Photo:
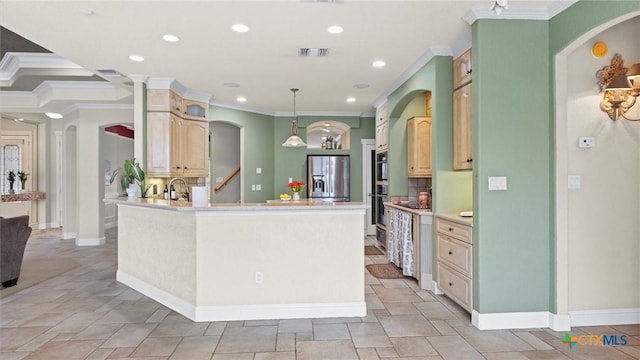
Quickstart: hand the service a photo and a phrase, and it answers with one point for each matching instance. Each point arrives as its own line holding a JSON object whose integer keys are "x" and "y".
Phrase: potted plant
{"x": 12, "y": 178}
{"x": 133, "y": 175}
{"x": 23, "y": 179}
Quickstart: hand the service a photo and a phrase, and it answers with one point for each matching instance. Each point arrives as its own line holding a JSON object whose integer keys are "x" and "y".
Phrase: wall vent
{"x": 313, "y": 52}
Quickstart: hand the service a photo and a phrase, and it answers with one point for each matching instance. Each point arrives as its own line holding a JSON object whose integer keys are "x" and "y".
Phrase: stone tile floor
{"x": 85, "y": 314}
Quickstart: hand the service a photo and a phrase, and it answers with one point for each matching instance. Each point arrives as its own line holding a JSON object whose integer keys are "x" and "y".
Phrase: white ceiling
{"x": 263, "y": 61}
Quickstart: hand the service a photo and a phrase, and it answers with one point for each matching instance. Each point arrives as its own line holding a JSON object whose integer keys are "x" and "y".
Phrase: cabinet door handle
{"x": 450, "y": 284}
{"x": 469, "y": 71}
{"x": 450, "y": 229}
{"x": 450, "y": 252}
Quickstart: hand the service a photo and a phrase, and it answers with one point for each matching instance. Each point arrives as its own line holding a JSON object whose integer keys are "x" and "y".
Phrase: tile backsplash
{"x": 417, "y": 185}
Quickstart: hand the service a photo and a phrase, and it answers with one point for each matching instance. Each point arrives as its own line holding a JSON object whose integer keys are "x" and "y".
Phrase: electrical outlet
{"x": 259, "y": 277}
{"x": 253, "y": 188}
{"x": 573, "y": 182}
{"x": 586, "y": 142}
{"x": 258, "y": 170}
{"x": 258, "y": 187}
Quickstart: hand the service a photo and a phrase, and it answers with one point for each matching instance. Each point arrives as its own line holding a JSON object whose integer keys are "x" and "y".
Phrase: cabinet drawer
{"x": 455, "y": 253}
{"x": 457, "y": 287}
{"x": 455, "y": 230}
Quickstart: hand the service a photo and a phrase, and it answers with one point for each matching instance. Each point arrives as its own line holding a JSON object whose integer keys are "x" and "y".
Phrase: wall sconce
{"x": 621, "y": 87}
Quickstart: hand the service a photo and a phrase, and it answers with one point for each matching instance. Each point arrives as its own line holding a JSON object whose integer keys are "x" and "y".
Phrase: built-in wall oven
{"x": 381, "y": 214}
{"x": 382, "y": 173}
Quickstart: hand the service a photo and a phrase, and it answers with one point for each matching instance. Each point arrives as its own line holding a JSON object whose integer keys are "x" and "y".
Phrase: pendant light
{"x": 294, "y": 140}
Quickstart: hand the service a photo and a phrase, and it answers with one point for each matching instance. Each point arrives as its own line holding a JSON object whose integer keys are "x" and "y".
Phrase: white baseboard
{"x": 243, "y": 312}
{"x": 605, "y": 317}
{"x": 91, "y": 242}
{"x": 514, "y": 320}
{"x": 426, "y": 282}
{"x": 111, "y": 225}
{"x": 69, "y": 235}
{"x": 172, "y": 302}
{"x": 559, "y": 322}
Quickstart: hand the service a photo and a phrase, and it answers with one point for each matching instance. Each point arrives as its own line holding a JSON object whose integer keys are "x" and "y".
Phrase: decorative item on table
{"x": 23, "y": 176}
{"x": 11, "y": 176}
{"x": 296, "y": 187}
{"x": 285, "y": 197}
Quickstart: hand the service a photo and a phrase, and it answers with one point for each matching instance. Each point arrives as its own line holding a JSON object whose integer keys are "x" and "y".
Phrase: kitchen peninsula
{"x": 218, "y": 262}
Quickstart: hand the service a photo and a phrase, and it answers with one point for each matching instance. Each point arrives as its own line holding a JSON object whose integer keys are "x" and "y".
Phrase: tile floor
{"x": 85, "y": 314}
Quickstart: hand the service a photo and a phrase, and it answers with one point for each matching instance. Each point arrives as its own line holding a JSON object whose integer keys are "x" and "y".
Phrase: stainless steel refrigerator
{"x": 328, "y": 177}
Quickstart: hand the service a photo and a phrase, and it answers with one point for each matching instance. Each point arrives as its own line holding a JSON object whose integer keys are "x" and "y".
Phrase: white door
{"x": 368, "y": 183}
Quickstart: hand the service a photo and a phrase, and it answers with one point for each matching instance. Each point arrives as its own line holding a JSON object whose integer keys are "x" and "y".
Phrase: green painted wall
{"x": 511, "y": 132}
{"x": 258, "y": 145}
{"x": 451, "y": 189}
{"x": 292, "y": 162}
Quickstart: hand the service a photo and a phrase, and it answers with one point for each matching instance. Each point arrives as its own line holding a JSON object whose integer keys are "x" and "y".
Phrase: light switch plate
{"x": 258, "y": 170}
{"x": 573, "y": 182}
{"x": 497, "y": 183}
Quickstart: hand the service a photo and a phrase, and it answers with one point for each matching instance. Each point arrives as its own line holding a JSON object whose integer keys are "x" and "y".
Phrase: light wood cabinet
{"x": 419, "y": 147}
{"x": 164, "y": 100}
{"x": 454, "y": 257}
{"x": 176, "y": 146}
{"x": 382, "y": 129}
{"x": 462, "y": 69}
{"x": 195, "y": 110}
{"x": 462, "y": 129}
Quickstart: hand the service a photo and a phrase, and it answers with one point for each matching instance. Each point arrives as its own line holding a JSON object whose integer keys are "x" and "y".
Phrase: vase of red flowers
{"x": 296, "y": 187}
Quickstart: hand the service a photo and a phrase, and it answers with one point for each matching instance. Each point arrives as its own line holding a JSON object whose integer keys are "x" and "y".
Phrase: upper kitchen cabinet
{"x": 165, "y": 100}
{"x": 195, "y": 110}
{"x": 462, "y": 69}
{"x": 382, "y": 128}
{"x": 176, "y": 146}
{"x": 462, "y": 99}
{"x": 462, "y": 129}
{"x": 419, "y": 147}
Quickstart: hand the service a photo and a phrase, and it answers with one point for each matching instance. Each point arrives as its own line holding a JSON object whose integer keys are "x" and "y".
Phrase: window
{"x": 10, "y": 159}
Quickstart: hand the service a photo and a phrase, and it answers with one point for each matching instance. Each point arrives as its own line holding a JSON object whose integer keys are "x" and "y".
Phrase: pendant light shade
{"x": 294, "y": 140}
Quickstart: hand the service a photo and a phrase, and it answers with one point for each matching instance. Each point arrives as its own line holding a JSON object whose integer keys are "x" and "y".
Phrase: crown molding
{"x": 178, "y": 88}
{"x": 223, "y": 105}
{"x": 515, "y": 12}
{"x": 13, "y": 64}
{"x": 324, "y": 113}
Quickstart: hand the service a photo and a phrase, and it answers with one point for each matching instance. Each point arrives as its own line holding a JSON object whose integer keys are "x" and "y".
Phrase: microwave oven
{"x": 382, "y": 172}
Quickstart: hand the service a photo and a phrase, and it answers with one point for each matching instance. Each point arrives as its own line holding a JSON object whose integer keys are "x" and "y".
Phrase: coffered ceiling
{"x": 56, "y": 67}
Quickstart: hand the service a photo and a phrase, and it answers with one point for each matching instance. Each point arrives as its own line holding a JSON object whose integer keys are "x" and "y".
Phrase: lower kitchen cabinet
{"x": 454, "y": 259}
{"x": 420, "y": 229}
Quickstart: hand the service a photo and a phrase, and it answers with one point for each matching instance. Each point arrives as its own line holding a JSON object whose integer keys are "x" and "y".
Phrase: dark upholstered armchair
{"x": 14, "y": 233}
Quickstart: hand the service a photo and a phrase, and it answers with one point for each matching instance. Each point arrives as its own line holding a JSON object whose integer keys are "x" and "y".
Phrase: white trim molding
{"x": 242, "y": 312}
{"x": 605, "y": 317}
{"x": 91, "y": 241}
{"x": 520, "y": 320}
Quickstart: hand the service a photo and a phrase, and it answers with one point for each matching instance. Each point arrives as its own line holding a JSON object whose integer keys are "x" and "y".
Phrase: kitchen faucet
{"x": 185, "y": 185}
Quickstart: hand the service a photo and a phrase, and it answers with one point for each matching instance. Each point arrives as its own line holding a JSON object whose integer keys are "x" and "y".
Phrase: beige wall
{"x": 603, "y": 216}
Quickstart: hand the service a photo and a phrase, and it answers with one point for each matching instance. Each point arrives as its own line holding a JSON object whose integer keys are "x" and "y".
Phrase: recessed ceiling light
{"x": 137, "y": 58}
{"x": 231, "y": 84}
{"x": 361, "y": 86}
{"x": 351, "y": 99}
{"x": 18, "y": 119}
{"x": 335, "y": 29}
{"x": 379, "y": 63}
{"x": 53, "y": 115}
{"x": 170, "y": 38}
{"x": 240, "y": 28}
{"x": 241, "y": 99}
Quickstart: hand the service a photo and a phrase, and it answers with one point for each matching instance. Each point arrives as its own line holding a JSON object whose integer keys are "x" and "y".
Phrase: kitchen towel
{"x": 199, "y": 196}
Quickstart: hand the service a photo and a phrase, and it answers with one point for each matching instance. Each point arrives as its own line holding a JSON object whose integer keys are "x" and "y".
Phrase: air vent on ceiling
{"x": 313, "y": 52}
{"x": 110, "y": 73}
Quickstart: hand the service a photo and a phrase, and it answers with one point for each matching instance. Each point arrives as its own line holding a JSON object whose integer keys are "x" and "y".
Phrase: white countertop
{"x": 457, "y": 218}
{"x": 181, "y": 205}
{"x": 413, "y": 211}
